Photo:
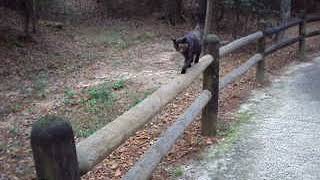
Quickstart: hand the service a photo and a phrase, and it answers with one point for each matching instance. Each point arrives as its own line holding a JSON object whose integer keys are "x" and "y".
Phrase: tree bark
{"x": 285, "y": 14}
{"x": 211, "y": 83}
{"x": 173, "y": 11}
{"x": 236, "y": 24}
{"x": 202, "y": 13}
{"x": 218, "y": 14}
{"x": 209, "y": 18}
{"x": 54, "y": 150}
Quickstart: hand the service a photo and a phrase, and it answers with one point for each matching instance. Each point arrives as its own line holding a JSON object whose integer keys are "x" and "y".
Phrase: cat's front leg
{"x": 185, "y": 65}
{"x": 190, "y": 58}
{"x": 197, "y": 58}
{"x": 184, "y": 69}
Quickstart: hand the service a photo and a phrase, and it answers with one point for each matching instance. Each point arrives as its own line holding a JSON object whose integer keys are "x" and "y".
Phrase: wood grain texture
{"x": 233, "y": 75}
{"x": 211, "y": 83}
{"x": 96, "y": 147}
{"x": 143, "y": 169}
{"x": 276, "y": 30}
{"x": 280, "y": 45}
{"x": 53, "y": 148}
{"x": 234, "y": 45}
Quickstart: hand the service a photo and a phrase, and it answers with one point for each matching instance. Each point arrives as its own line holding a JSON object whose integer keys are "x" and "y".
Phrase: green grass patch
{"x": 114, "y": 39}
{"x": 92, "y": 108}
{"x": 40, "y": 83}
{"x": 99, "y": 98}
{"x": 226, "y": 129}
{"x": 14, "y": 129}
{"x": 86, "y": 127}
{"x": 178, "y": 172}
{"x": 69, "y": 96}
{"x": 137, "y": 98}
{"x": 120, "y": 84}
{"x": 118, "y": 38}
{"x": 16, "y": 108}
{"x": 101, "y": 94}
{"x": 231, "y": 132}
{"x": 143, "y": 37}
{"x": 84, "y": 132}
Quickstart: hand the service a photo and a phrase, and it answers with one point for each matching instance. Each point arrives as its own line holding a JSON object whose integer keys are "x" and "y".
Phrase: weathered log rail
{"x": 96, "y": 147}
{"x": 240, "y": 43}
{"x": 276, "y": 30}
{"x": 313, "y": 19}
{"x": 281, "y": 44}
{"x": 313, "y": 33}
{"x": 143, "y": 169}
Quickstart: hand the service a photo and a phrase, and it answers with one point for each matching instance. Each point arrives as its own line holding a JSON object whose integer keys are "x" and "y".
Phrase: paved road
{"x": 280, "y": 139}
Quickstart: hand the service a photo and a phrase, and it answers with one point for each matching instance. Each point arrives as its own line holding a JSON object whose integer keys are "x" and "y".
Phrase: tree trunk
{"x": 173, "y": 11}
{"x": 209, "y": 18}
{"x": 285, "y": 14}
{"x": 218, "y": 14}
{"x": 236, "y": 23}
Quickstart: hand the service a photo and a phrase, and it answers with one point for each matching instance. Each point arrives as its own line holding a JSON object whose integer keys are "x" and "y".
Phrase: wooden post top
{"x": 53, "y": 148}
{"x": 262, "y": 25}
{"x": 302, "y": 14}
{"x": 51, "y": 128}
{"x": 212, "y": 38}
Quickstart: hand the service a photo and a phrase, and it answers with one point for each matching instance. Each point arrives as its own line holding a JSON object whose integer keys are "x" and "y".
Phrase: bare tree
{"x": 285, "y": 14}
{"x": 173, "y": 11}
{"x": 27, "y": 8}
{"x": 202, "y": 11}
{"x": 209, "y": 18}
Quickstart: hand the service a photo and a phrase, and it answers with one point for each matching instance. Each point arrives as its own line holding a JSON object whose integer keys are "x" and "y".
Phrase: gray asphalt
{"x": 280, "y": 138}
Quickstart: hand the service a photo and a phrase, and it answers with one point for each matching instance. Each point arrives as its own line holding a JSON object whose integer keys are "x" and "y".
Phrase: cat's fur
{"x": 190, "y": 47}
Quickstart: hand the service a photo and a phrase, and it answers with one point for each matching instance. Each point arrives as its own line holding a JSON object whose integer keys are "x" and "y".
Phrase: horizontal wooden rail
{"x": 96, "y": 147}
{"x": 236, "y": 73}
{"x": 148, "y": 162}
{"x": 276, "y": 30}
{"x": 313, "y": 33}
{"x": 93, "y": 149}
{"x": 240, "y": 43}
{"x": 313, "y": 19}
{"x": 281, "y": 45}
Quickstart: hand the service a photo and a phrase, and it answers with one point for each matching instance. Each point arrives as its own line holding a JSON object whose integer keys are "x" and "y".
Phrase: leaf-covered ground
{"x": 61, "y": 71}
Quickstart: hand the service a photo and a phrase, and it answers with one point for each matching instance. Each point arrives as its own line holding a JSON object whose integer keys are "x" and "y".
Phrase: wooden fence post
{"x": 260, "y": 72}
{"x": 54, "y": 150}
{"x": 211, "y": 83}
{"x": 302, "y": 34}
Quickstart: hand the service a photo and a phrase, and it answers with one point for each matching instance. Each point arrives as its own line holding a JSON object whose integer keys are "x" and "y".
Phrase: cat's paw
{"x": 183, "y": 71}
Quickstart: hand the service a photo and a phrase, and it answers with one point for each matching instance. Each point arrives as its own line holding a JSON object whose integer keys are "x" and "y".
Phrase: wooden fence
{"x": 57, "y": 157}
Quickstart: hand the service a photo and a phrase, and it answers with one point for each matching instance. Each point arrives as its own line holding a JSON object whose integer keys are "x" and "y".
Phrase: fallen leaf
{"x": 117, "y": 173}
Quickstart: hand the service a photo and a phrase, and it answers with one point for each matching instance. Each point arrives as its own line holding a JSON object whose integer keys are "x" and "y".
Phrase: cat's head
{"x": 180, "y": 46}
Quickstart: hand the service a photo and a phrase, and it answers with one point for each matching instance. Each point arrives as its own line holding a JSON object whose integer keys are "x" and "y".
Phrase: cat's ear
{"x": 175, "y": 44}
{"x": 182, "y": 40}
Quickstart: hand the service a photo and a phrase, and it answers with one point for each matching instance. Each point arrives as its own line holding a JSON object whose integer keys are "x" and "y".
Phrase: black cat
{"x": 190, "y": 47}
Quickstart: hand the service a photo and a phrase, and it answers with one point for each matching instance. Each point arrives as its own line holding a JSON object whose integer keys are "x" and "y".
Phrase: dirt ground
{"x": 57, "y": 71}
